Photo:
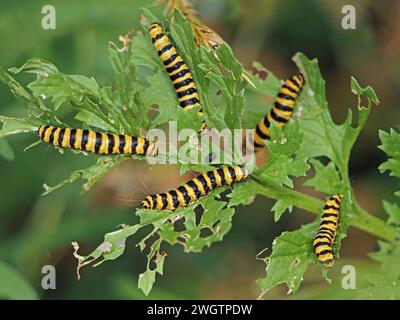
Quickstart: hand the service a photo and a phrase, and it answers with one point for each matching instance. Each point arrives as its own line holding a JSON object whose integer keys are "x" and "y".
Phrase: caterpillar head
{"x": 300, "y": 79}
{"x": 328, "y": 263}
{"x": 155, "y": 28}
{"x": 145, "y": 204}
{"x": 339, "y": 197}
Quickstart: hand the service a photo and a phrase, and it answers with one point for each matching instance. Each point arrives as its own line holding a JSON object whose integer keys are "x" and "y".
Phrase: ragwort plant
{"x": 311, "y": 142}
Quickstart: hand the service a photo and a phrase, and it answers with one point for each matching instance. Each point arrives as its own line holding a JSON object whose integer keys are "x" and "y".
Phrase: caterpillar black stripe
{"x": 196, "y": 188}
{"x": 177, "y": 70}
{"x": 281, "y": 111}
{"x": 96, "y": 142}
{"x": 325, "y": 238}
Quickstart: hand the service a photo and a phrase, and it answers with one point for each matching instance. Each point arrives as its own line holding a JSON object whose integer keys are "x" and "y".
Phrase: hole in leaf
{"x": 198, "y": 214}
{"x": 181, "y": 239}
{"x": 324, "y": 160}
{"x": 179, "y": 225}
{"x": 262, "y": 74}
{"x": 205, "y": 232}
{"x": 152, "y": 264}
{"x": 215, "y": 224}
{"x": 224, "y": 195}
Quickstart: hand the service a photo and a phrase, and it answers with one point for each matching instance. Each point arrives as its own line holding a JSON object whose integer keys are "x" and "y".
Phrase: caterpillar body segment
{"x": 325, "y": 238}
{"x": 96, "y": 142}
{"x": 196, "y": 188}
{"x": 177, "y": 69}
{"x": 281, "y": 111}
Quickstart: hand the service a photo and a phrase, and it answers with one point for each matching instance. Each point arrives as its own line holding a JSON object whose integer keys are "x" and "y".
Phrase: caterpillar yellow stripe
{"x": 281, "y": 111}
{"x": 325, "y": 238}
{"x": 196, "y": 188}
{"x": 96, "y": 142}
{"x": 177, "y": 70}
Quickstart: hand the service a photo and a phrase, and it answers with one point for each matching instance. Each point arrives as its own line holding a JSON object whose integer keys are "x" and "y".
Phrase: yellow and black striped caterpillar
{"x": 325, "y": 238}
{"x": 96, "y": 142}
{"x": 281, "y": 111}
{"x": 177, "y": 70}
{"x": 196, "y": 188}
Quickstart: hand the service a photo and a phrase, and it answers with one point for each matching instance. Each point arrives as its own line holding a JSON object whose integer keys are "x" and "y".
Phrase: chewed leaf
{"x": 148, "y": 278}
{"x": 90, "y": 175}
{"x": 265, "y": 82}
{"x": 291, "y": 254}
{"x": 214, "y": 223}
{"x": 393, "y": 210}
{"x": 368, "y": 91}
{"x": 385, "y": 283}
{"x": 61, "y": 88}
{"x": 11, "y": 126}
{"x": 243, "y": 193}
{"x": 111, "y": 248}
{"x": 282, "y": 205}
{"x": 284, "y": 160}
{"x": 37, "y": 66}
{"x": 326, "y": 178}
{"x": 391, "y": 146}
{"x": 18, "y": 90}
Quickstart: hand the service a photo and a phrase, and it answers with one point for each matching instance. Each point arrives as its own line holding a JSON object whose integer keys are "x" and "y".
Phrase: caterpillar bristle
{"x": 178, "y": 71}
{"x": 325, "y": 238}
{"x": 96, "y": 142}
{"x": 196, "y": 188}
{"x": 281, "y": 111}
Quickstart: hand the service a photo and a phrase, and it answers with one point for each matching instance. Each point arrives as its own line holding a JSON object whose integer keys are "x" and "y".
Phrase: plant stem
{"x": 360, "y": 218}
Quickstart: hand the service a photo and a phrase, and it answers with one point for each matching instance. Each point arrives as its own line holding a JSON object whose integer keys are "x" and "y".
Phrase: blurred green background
{"x": 36, "y": 231}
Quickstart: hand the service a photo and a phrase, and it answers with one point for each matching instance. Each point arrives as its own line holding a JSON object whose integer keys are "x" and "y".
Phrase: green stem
{"x": 299, "y": 200}
{"x": 365, "y": 221}
{"x": 360, "y": 218}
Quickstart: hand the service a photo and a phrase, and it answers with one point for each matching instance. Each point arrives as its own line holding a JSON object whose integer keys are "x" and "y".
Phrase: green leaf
{"x": 385, "y": 283}
{"x": 214, "y": 223}
{"x": 148, "y": 278}
{"x": 11, "y": 126}
{"x": 93, "y": 120}
{"x": 125, "y": 101}
{"x": 17, "y": 89}
{"x": 146, "y": 281}
{"x": 243, "y": 193}
{"x": 37, "y": 66}
{"x": 196, "y": 233}
{"x": 269, "y": 86}
{"x": 367, "y": 91}
{"x": 284, "y": 157}
{"x": 226, "y": 73}
{"x": 90, "y": 175}
{"x": 391, "y": 146}
{"x": 61, "y": 88}
{"x": 160, "y": 92}
{"x": 291, "y": 255}
{"x": 393, "y": 210}
{"x": 326, "y": 178}
{"x": 280, "y": 207}
{"x": 322, "y": 137}
{"x": 111, "y": 248}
